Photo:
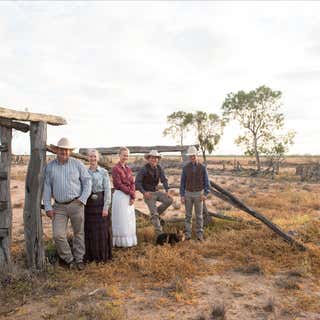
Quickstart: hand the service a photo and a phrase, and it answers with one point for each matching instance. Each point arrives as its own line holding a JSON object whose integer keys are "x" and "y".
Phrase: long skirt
{"x": 97, "y": 230}
{"x": 123, "y": 221}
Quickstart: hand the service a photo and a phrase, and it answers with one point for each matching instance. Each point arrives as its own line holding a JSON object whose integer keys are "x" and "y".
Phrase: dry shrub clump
{"x": 258, "y": 251}
{"x": 151, "y": 263}
{"x": 310, "y": 232}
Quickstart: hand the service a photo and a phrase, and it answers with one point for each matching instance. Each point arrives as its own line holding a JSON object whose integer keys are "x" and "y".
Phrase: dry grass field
{"x": 240, "y": 271}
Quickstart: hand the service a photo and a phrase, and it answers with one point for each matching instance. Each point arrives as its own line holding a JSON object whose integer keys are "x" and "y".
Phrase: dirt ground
{"x": 238, "y": 272}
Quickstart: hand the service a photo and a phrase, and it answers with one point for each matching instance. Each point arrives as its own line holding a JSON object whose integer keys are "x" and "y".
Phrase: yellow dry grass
{"x": 228, "y": 246}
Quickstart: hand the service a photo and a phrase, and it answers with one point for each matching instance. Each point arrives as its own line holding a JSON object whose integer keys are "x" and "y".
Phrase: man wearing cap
{"x": 194, "y": 188}
{"x": 68, "y": 182}
{"x": 147, "y": 182}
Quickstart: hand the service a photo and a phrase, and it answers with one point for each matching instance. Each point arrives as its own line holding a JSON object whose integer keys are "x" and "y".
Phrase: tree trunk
{"x": 33, "y": 231}
{"x": 256, "y": 153}
{"x": 204, "y": 156}
{"x": 5, "y": 200}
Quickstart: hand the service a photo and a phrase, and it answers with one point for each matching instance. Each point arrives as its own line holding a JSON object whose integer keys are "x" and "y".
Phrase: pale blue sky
{"x": 115, "y": 70}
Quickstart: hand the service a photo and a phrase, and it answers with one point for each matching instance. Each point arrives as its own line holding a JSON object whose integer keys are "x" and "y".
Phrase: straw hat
{"x": 64, "y": 143}
{"x": 192, "y": 151}
{"x": 152, "y": 153}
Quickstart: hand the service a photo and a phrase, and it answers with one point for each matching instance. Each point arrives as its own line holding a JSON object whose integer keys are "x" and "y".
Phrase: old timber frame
{"x": 33, "y": 188}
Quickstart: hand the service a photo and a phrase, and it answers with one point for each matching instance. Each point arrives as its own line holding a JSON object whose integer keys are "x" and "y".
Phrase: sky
{"x": 115, "y": 70}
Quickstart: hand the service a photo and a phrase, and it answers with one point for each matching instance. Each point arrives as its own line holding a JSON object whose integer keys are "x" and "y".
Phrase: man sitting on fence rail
{"x": 147, "y": 182}
{"x": 68, "y": 182}
{"x": 194, "y": 188}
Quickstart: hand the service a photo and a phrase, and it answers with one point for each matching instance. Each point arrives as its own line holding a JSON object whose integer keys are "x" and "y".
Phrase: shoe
{"x": 200, "y": 238}
{"x": 71, "y": 265}
{"x": 187, "y": 238}
{"x": 162, "y": 222}
{"x": 80, "y": 266}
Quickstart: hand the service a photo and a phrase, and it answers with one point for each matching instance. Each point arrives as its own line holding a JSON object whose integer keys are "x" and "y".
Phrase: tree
{"x": 257, "y": 112}
{"x": 276, "y": 149}
{"x": 209, "y": 129}
{"x": 179, "y": 124}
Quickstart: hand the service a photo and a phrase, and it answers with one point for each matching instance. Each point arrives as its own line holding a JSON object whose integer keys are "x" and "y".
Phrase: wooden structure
{"x": 33, "y": 188}
{"x": 10, "y": 119}
{"x": 143, "y": 150}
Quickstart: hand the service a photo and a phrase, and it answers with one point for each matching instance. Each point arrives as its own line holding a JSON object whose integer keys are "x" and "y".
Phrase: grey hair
{"x": 94, "y": 151}
{"x": 123, "y": 149}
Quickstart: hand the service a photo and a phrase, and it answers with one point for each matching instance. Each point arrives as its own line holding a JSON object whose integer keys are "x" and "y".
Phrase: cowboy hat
{"x": 192, "y": 151}
{"x": 64, "y": 143}
{"x": 152, "y": 153}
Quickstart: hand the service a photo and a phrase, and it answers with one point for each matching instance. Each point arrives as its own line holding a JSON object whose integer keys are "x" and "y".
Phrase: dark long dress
{"x": 97, "y": 230}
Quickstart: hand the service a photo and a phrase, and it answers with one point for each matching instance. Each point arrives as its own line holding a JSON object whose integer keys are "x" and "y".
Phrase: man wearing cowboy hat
{"x": 194, "y": 188}
{"x": 147, "y": 182}
{"x": 68, "y": 182}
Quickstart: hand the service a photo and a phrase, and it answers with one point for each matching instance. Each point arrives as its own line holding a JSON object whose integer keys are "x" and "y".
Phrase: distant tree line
{"x": 258, "y": 114}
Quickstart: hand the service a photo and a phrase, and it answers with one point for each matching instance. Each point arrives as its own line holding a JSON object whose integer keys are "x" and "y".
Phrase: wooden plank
{"x": 5, "y": 200}
{"x": 53, "y": 149}
{"x": 227, "y": 196}
{"x": 137, "y": 149}
{"x": 33, "y": 231}
{"x": 29, "y": 116}
{"x": 14, "y": 125}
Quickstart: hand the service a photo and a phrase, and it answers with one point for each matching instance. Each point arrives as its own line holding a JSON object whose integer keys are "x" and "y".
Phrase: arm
{"x": 107, "y": 191}
{"x": 47, "y": 191}
{"x": 206, "y": 182}
{"x": 86, "y": 183}
{"x": 164, "y": 179}
{"x": 139, "y": 179}
{"x": 132, "y": 187}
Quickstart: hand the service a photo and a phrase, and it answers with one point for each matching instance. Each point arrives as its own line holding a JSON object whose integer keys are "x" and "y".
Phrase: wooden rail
{"x": 14, "y": 125}
{"x": 137, "y": 149}
{"x": 29, "y": 116}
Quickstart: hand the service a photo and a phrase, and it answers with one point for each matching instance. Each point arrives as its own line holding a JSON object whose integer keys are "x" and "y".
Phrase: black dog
{"x": 171, "y": 238}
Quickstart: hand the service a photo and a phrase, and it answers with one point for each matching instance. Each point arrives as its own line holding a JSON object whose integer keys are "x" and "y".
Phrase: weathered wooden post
{"x": 5, "y": 199}
{"x": 33, "y": 195}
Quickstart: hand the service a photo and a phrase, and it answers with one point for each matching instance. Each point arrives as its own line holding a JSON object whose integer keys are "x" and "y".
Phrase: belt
{"x": 95, "y": 195}
{"x": 68, "y": 202}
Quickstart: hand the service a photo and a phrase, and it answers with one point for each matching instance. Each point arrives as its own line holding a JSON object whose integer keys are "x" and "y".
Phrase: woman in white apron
{"x": 123, "y": 213}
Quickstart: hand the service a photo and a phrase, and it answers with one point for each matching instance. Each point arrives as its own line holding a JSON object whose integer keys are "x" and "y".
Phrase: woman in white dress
{"x": 123, "y": 213}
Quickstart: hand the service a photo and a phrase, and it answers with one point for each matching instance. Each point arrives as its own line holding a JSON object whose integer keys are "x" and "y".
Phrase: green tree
{"x": 209, "y": 129}
{"x": 178, "y": 125}
{"x": 257, "y": 112}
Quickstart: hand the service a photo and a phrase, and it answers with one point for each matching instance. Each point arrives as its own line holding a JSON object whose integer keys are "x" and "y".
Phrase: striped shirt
{"x": 66, "y": 181}
{"x": 101, "y": 182}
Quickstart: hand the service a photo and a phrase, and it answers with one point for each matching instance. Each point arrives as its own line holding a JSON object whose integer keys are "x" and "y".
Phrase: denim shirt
{"x": 101, "y": 182}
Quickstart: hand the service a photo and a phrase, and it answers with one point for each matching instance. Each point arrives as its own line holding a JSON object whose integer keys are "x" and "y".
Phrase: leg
{"x": 188, "y": 218}
{"x": 59, "y": 230}
{"x": 151, "y": 203}
{"x": 198, "y": 206}
{"x": 165, "y": 202}
{"x": 76, "y": 213}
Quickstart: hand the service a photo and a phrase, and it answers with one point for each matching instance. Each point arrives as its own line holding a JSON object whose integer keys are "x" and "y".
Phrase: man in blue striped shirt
{"x": 68, "y": 182}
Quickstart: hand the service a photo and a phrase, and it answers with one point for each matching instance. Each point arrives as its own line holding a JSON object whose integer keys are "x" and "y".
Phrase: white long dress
{"x": 123, "y": 221}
